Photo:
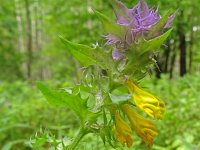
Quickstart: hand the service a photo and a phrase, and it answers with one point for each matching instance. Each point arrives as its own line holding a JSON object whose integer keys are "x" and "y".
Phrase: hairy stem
{"x": 82, "y": 132}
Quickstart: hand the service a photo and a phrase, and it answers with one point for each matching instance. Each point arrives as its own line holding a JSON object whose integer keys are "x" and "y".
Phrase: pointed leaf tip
{"x": 63, "y": 99}
{"x": 112, "y": 27}
{"x": 88, "y": 56}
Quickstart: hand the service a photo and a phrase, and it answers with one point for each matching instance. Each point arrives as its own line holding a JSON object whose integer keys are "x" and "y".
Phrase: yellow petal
{"x": 144, "y": 128}
{"x": 123, "y": 131}
{"x": 145, "y": 101}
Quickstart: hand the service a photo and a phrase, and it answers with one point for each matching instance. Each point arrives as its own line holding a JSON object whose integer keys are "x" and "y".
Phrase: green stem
{"x": 82, "y": 132}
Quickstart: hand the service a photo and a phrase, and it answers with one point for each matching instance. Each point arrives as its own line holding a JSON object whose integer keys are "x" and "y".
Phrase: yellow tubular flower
{"x": 145, "y": 101}
{"x": 144, "y": 128}
{"x": 123, "y": 131}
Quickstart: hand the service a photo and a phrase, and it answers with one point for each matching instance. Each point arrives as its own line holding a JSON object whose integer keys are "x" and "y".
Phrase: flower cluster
{"x": 138, "y": 21}
{"x": 144, "y": 128}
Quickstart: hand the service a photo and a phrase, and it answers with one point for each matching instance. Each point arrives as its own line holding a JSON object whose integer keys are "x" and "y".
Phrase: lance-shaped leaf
{"x": 159, "y": 26}
{"x": 138, "y": 55}
{"x": 112, "y": 27}
{"x": 64, "y": 99}
{"x": 87, "y": 55}
{"x": 151, "y": 45}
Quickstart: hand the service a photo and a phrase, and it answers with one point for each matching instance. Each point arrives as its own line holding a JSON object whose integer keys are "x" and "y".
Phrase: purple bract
{"x": 138, "y": 20}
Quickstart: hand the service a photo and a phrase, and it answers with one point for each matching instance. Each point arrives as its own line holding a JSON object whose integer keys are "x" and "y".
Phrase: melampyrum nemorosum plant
{"x": 108, "y": 100}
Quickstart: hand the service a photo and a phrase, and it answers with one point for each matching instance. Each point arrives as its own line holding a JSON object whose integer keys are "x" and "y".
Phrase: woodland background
{"x": 30, "y": 50}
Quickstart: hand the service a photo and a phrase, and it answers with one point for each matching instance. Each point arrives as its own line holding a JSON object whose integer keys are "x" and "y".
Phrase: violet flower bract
{"x": 139, "y": 20}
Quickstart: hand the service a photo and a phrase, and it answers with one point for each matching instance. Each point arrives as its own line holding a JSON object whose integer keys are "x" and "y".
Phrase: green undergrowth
{"x": 27, "y": 121}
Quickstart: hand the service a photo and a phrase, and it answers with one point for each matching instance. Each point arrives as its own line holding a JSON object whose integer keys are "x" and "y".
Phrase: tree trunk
{"x": 29, "y": 39}
{"x": 21, "y": 48}
{"x": 190, "y": 47}
{"x": 36, "y": 36}
{"x": 182, "y": 47}
{"x": 19, "y": 27}
{"x": 166, "y": 55}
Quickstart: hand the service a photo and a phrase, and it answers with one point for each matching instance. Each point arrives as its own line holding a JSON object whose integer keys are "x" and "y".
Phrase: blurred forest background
{"x": 30, "y": 50}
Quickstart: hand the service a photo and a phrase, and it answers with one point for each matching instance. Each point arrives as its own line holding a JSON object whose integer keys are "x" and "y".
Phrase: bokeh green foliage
{"x": 10, "y": 59}
{"x": 24, "y": 112}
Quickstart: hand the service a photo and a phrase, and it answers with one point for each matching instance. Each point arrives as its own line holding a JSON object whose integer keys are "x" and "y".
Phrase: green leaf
{"x": 89, "y": 56}
{"x": 138, "y": 56}
{"x": 65, "y": 99}
{"x": 159, "y": 26}
{"x": 151, "y": 45}
{"x": 112, "y": 27}
{"x": 155, "y": 43}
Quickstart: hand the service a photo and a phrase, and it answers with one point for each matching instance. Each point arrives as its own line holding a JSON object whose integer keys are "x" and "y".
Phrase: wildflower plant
{"x": 109, "y": 100}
